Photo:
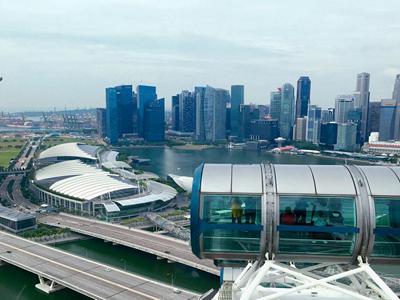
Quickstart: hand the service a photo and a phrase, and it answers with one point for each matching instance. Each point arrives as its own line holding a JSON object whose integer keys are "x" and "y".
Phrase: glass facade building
{"x": 303, "y": 96}
{"x": 145, "y": 95}
{"x": 237, "y": 99}
{"x": 287, "y": 113}
{"x": 275, "y": 104}
{"x": 387, "y": 118}
{"x": 310, "y": 213}
{"x": 119, "y": 112}
{"x": 154, "y": 121}
{"x": 187, "y": 112}
{"x": 313, "y": 123}
{"x": 214, "y": 108}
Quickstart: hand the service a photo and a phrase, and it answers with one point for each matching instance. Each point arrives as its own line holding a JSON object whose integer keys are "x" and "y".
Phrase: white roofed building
{"x": 69, "y": 181}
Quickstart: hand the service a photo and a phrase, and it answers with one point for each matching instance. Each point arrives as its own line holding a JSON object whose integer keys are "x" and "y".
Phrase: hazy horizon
{"x": 65, "y": 53}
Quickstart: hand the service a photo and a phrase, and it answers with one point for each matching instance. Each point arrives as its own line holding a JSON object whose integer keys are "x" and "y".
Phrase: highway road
{"x": 159, "y": 245}
{"x": 95, "y": 280}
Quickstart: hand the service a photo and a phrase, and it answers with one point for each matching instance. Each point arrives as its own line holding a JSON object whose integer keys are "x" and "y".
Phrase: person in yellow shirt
{"x": 237, "y": 211}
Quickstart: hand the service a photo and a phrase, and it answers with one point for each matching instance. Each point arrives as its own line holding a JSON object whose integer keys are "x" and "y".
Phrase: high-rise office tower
{"x": 346, "y": 137}
{"x": 286, "y": 120}
{"x": 264, "y": 129}
{"x": 200, "y": 99}
{"x": 187, "y": 112}
{"x": 362, "y": 96}
{"x": 328, "y": 115}
{"x": 343, "y": 105}
{"x": 215, "y": 101}
{"x": 328, "y": 134}
{"x": 373, "y": 116}
{"x": 145, "y": 95}
{"x": 237, "y": 99}
{"x": 101, "y": 121}
{"x": 154, "y": 121}
{"x": 135, "y": 122}
{"x": 313, "y": 123}
{"x": 396, "y": 90}
{"x": 175, "y": 112}
{"x": 300, "y": 129}
{"x": 119, "y": 112}
{"x": 387, "y": 124}
{"x": 303, "y": 96}
{"x": 248, "y": 113}
{"x": 275, "y": 104}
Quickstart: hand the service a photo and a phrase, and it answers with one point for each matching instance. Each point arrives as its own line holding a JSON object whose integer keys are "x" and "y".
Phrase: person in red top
{"x": 288, "y": 217}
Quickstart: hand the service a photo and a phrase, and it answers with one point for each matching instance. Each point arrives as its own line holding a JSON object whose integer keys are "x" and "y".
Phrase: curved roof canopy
{"x": 65, "y": 169}
{"x": 91, "y": 186}
{"x": 70, "y": 150}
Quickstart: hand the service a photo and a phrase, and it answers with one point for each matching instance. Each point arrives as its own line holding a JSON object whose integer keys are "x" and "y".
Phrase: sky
{"x": 63, "y": 54}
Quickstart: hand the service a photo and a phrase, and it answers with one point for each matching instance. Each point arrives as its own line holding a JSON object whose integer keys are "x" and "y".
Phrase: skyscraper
{"x": 175, "y": 112}
{"x": 145, "y": 95}
{"x": 275, "y": 104}
{"x": 154, "y": 121}
{"x": 264, "y": 130}
{"x": 396, "y": 90}
{"x": 303, "y": 96}
{"x": 286, "y": 120}
{"x": 343, "y": 105}
{"x": 300, "y": 129}
{"x": 387, "y": 118}
{"x": 200, "y": 134}
{"x": 248, "y": 113}
{"x": 328, "y": 115}
{"x": 215, "y": 114}
{"x": 101, "y": 121}
{"x": 363, "y": 95}
{"x": 346, "y": 137}
{"x": 328, "y": 134}
{"x": 187, "y": 112}
{"x": 373, "y": 116}
{"x": 237, "y": 99}
{"x": 119, "y": 112}
{"x": 313, "y": 123}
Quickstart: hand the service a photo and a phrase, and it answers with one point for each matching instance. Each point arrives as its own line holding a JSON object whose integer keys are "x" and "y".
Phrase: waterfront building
{"x": 346, "y": 137}
{"x": 200, "y": 99}
{"x": 275, "y": 104}
{"x": 187, "y": 112}
{"x": 287, "y": 113}
{"x": 72, "y": 178}
{"x": 237, "y": 99}
{"x": 303, "y": 96}
{"x": 119, "y": 112}
{"x": 267, "y": 129}
{"x": 248, "y": 113}
{"x": 387, "y": 124}
{"x": 343, "y": 105}
{"x": 373, "y": 116}
{"x": 145, "y": 95}
{"x": 382, "y": 148}
{"x": 215, "y": 101}
{"x": 328, "y": 115}
{"x": 300, "y": 129}
{"x": 154, "y": 121}
{"x": 175, "y": 112}
{"x": 363, "y": 95}
{"x": 313, "y": 123}
{"x": 396, "y": 89}
{"x": 328, "y": 134}
{"x": 101, "y": 116}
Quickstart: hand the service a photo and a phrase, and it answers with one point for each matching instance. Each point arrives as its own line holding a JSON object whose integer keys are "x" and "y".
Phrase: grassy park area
{"x": 9, "y": 149}
{"x": 53, "y": 141}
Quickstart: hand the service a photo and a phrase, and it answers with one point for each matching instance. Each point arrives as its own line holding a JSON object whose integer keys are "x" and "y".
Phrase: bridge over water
{"x": 57, "y": 269}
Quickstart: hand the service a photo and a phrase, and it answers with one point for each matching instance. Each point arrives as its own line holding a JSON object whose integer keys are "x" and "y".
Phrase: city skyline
{"x": 53, "y": 57}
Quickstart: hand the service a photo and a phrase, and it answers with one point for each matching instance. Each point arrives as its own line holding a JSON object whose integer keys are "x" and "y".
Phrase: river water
{"x": 18, "y": 284}
{"x": 165, "y": 160}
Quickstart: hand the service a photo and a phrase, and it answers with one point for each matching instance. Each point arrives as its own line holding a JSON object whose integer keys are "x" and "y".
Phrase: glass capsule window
{"x": 231, "y": 223}
{"x": 317, "y": 225}
{"x": 387, "y": 227}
